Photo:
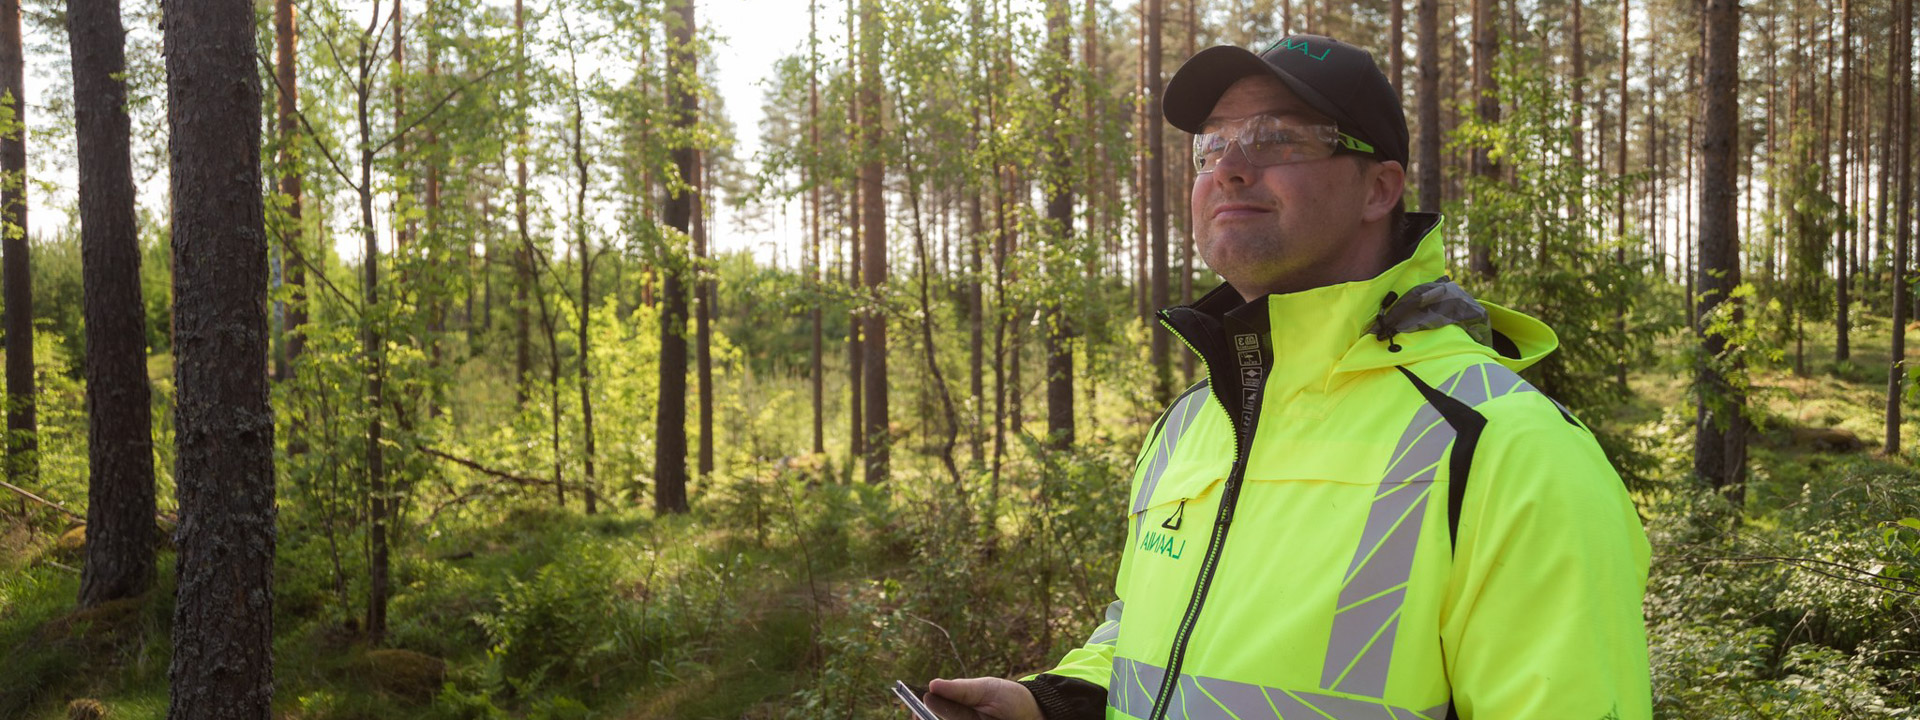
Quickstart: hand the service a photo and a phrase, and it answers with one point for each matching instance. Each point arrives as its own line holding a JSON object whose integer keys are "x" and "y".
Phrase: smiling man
{"x": 1363, "y": 512}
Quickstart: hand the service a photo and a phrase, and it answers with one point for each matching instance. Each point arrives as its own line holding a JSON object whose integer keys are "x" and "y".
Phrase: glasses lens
{"x": 1266, "y": 140}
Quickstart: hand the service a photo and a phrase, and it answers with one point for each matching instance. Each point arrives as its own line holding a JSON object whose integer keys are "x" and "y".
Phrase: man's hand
{"x": 982, "y": 698}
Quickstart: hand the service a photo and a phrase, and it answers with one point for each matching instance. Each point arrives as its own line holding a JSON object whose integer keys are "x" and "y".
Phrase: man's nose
{"x": 1234, "y": 165}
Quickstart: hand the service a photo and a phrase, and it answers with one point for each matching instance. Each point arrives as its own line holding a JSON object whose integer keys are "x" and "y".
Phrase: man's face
{"x": 1286, "y": 228}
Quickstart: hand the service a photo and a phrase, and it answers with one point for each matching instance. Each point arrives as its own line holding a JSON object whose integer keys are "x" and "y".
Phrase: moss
{"x": 412, "y": 675}
{"x": 86, "y": 709}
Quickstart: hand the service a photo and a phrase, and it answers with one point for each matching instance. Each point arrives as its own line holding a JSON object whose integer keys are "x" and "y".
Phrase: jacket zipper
{"x": 1229, "y": 497}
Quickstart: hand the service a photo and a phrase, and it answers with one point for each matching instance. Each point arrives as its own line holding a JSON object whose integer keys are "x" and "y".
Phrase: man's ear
{"x": 1386, "y": 181}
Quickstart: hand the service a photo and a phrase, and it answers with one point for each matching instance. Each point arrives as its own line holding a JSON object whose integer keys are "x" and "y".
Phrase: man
{"x": 1303, "y": 538}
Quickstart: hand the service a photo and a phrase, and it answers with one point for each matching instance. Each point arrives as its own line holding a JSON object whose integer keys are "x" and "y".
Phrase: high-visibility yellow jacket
{"x": 1291, "y": 536}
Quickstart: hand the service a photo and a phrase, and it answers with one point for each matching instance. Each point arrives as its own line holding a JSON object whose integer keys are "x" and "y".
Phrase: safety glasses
{"x": 1267, "y": 140}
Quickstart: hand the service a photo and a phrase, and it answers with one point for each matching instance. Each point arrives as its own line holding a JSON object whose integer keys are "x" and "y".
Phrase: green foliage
{"x": 1555, "y": 257}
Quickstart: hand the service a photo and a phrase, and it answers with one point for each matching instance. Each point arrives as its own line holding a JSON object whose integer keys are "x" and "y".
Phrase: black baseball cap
{"x": 1337, "y": 79}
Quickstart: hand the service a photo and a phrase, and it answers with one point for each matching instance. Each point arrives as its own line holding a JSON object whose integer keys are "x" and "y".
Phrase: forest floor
{"x": 759, "y": 605}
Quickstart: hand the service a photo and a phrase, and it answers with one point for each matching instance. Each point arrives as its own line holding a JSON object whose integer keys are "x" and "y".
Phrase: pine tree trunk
{"x": 670, "y": 433}
{"x": 1720, "y": 449}
{"x": 222, "y": 663}
{"x": 1902, "y": 98}
{"x": 523, "y": 256}
{"x": 1429, "y": 99}
{"x": 1486, "y": 46}
{"x": 702, "y": 314}
{"x": 373, "y": 347}
{"x": 1842, "y": 325}
{"x": 874, "y": 253}
{"x": 1157, "y": 202}
{"x": 286, "y": 62}
{"x": 120, "y": 494}
{"x": 856, "y": 324}
{"x": 817, "y": 359}
{"x": 1578, "y": 51}
{"x": 1060, "y": 216}
{"x": 22, "y": 456}
{"x": 583, "y": 248}
{"x": 1396, "y": 41}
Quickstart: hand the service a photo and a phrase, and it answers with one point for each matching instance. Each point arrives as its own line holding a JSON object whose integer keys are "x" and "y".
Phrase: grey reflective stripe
{"x": 1367, "y": 618}
{"x": 1108, "y": 632}
{"x": 1203, "y": 698}
{"x": 1179, "y": 418}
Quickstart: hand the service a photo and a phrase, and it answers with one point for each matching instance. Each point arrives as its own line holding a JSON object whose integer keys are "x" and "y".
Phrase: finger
{"x": 972, "y": 692}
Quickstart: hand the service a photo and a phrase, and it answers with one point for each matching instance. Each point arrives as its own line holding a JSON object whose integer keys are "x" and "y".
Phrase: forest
{"x": 471, "y": 359}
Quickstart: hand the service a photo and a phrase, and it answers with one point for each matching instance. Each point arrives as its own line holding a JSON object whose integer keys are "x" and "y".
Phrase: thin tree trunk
{"x": 1486, "y": 46}
{"x": 1902, "y": 96}
{"x": 874, "y": 254}
{"x": 856, "y": 324}
{"x": 22, "y": 457}
{"x": 1060, "y": 331}
{"x": 1157, "y": 202}
{"x": 120, "y": 495}
{"x": 1429, "y": 99}
{"x": 702, "y": 314}
{"x": 1720, "y": 449}
{"x": 222, "y": 663}
{"x": 373, "y": 347}
{"x": 1842, "y": 278}
{"x": 583, "y": 249}
{"x": 523, "y": 257}
{"x": 817, "y": 358}
{"x": 1396, "y": 40}
{"x": 1578, "y": 50}
{"x": 286, "y": 63}
{"x": 670, "y": 434}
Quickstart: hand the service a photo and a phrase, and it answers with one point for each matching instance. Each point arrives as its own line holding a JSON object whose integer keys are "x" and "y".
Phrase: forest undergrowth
{"x": 791, "y": 593}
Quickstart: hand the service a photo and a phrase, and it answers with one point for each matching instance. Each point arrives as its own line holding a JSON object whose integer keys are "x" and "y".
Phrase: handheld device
{"x": 910, "y": 696}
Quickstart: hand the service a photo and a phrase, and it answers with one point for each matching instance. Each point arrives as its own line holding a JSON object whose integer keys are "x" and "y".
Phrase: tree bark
{"x": 120, "y": 495}
{"x": 287, "y": 106}
{"x": 1157, "y": 202}
{"x": 670, "y": 435}
{"x": 1486, "y": 47}
{"x": 1842, "y": 325}
{"x": 1396, "y": 39}
{"x": 874, "y": 254}
{"x": 523, "y": 256}
{"x": 373, "y": 347}
{"x": 702, "y": 313}
{"x": 817, "y": 359}
{"x": 222, "y": 663}
{"x": 1720, "y": 449}
{"x": 1902, "y": 98}
{"x": 1060, "y": 216}
{"x": 22, "y": 456}
{"x": 1429, "y": 111}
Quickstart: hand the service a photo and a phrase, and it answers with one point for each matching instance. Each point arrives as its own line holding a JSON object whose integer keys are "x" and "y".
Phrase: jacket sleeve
{"x": 1543, "y": 616}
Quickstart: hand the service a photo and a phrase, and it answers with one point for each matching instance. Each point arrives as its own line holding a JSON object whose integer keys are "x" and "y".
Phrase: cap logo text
{"x": 1302, "y": 46}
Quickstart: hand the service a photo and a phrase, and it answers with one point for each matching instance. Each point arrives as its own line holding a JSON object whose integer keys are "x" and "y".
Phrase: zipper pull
{"x": 1173, "y": 521}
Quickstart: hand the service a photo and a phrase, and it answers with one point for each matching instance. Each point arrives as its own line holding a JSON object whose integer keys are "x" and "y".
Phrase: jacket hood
{"x": 1408, "y": 313}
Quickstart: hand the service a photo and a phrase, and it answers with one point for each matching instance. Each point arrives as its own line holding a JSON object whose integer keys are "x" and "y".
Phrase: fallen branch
{"x": 43, "y": 501}
{"x": 484, "y": 470}
{"x": 1815, "y": 566}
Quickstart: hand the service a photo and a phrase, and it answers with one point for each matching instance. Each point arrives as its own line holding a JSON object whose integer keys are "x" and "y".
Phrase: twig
{"x": 1808, "y": 564}
{"x": 67, "y": 568}
{"x": 43, "y": 501}
{"x": 484, "y": 470}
